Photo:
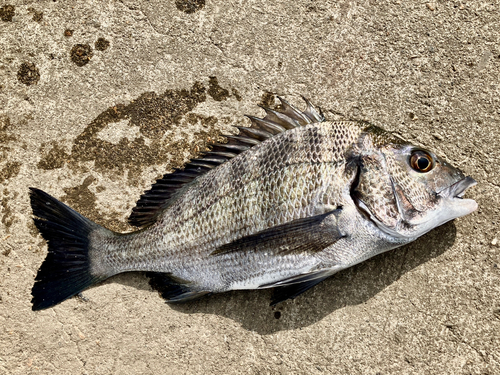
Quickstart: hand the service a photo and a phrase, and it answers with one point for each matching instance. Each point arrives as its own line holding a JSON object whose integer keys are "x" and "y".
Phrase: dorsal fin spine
{"x": 280, "y": 118}
{"x": 242, "y": 139}
{"x": 276, "y": 121}
{"x": 227, "y": 155}
{"x": 266, "y": 125}
{"x": 261, "y": 135}
{"x": 229, "y": 148}
{"x": 293, "y": 112}
{"x": 312, "y": 113}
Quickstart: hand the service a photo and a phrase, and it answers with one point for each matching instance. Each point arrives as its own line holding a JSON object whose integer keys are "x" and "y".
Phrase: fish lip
{"x": 457, "y": 190}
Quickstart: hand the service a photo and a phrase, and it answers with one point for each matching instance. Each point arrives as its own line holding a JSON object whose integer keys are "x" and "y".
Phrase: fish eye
{"x": 421, "y": 161}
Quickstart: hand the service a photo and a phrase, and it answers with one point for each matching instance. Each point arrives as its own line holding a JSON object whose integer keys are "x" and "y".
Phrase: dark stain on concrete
{"x": 267, "y": 100}
{"x": 8, "y": 217}
{"x": 37, "y": 16}
{"x": 33, "y": 229}
{"x": 7, "y": 12}
{"x": 151, "y": 111}
{"x": 81, "y": 54}
{"x": 68, "y": 33}
{"x": 5, "y": 135}
{"x": 81, "y": 198}
{"x": 52, "y": 158}
{"x": 101, "y": 44}
{"x": 28, "y": 74}
{"x": 215, "y": 91}
{"x": 153, "y": 114}
{"x": 205, "y": 121}
{"x": 237, "y": 95}
{"x": 189, "y": 6}
{"x": 9, "y": 170}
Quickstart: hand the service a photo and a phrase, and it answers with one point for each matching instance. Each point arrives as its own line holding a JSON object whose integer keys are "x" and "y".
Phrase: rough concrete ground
{"x": 99, "y": 98}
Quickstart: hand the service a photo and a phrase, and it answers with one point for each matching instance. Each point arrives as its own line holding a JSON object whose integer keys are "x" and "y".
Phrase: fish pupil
{"x": 423, "y": 163}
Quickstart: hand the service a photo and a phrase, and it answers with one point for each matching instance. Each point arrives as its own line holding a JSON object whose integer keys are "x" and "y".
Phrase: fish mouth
{"x": 456, "y": 205}
{"x": 457, "y": 190}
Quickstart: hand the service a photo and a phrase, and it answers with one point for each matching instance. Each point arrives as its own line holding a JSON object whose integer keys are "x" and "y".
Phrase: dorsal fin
{"x": 276, "y": 121}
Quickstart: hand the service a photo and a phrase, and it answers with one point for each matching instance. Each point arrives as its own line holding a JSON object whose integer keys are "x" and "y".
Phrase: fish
{"x": 284, "y": 204}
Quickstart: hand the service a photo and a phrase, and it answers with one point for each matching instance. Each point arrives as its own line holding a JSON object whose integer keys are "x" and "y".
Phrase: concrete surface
{"x": 99, "y": 98}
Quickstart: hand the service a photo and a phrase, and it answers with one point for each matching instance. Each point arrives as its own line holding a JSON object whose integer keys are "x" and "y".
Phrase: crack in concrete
{"x": 229, "y": 61}
{"x": 462, "y": 340}
{"x": 138, "y": 9}
{"x": 457, "y": 336}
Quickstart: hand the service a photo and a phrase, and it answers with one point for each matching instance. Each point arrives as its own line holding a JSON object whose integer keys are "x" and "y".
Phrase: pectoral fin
{"x": 312, "y": 234}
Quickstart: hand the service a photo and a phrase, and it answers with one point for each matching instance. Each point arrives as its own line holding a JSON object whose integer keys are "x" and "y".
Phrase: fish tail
{"x": 66, "y": 270}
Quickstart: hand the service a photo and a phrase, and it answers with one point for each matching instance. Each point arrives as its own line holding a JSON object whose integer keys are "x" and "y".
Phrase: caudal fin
{"x": 66, "y": 269}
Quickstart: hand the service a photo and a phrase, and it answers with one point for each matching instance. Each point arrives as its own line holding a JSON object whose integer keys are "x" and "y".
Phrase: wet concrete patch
{"x": 37, "y": 16}
{"x": 54, "y": 156}
{"x": 7, "y": 12}
{"x": 7, "y": 214}
{"x": 215, "y": 91}
{"x": 153, "y": 114}
{"x": 28, "y": 74}
{"x": 83, "y": 200}
{"x": 189, "y": 6}
{"x": 81, "y": 54}
{"x": 9, "y": 170}
{"x": 267, "y": 99}
{"x": 101, "y": 44}
{"x": 149, "y": 117}
{"x": 80, "y": 198}
{"x": 237, "y": 95}
{"x": 5, "y": 135}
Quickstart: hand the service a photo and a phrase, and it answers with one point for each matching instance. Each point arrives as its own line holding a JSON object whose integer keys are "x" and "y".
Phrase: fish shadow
{"x": 353, "y": 286}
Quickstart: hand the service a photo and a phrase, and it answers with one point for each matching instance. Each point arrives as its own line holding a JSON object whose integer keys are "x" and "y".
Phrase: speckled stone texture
{"x": 99, "y": 98}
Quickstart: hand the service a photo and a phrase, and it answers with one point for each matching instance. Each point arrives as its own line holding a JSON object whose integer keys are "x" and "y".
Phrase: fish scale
{"x": 285, "y": 203}
{"x": 243, "y": 202}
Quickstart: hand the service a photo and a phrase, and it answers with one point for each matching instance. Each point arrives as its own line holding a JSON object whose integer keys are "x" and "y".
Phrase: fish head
{"x": 407, "y": 190}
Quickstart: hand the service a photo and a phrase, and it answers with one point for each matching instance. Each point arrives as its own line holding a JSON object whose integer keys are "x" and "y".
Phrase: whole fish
{"x": 284, "y": 204}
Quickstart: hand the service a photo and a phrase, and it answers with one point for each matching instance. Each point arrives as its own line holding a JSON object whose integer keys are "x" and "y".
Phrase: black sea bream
{"x": 285, "y": 204}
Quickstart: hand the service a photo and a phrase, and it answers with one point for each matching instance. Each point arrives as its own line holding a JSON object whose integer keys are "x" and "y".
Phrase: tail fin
{"x": 66, "y": 269}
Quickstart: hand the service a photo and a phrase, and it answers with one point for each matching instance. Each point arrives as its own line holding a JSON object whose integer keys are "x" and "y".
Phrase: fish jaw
{"x": 453, "y": 198}
{"x": 451, "y": 206}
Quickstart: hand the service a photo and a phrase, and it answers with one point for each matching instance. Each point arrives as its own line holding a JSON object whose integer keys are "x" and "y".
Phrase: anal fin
{"x": 172, "y": 289}
{"x": 283, "y": 293}
{"x": 296, "y": 285}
